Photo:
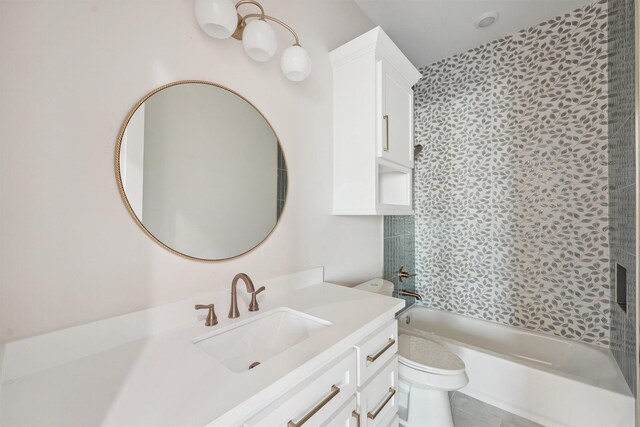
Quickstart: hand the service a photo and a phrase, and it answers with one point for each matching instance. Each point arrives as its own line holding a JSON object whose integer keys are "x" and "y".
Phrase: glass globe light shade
{"x": 218, "y": 18}
{"x": 259, "y": 40}
{"x": 295, "y": 63}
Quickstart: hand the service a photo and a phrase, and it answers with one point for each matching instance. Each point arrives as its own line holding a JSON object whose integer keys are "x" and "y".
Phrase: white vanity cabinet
{"x": 357, "y": 389}
{"x": 372, "y": 127}
{"x": 329, "y": 362}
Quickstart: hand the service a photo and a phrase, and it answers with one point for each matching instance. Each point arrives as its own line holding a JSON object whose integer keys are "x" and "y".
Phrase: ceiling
{"x": 430, "y": 30}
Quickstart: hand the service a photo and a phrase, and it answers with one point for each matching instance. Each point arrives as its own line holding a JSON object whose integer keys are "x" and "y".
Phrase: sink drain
{"x": 253, "y": 365}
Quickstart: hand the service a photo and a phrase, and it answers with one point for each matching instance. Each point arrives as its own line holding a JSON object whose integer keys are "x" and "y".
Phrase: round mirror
{"x": 201, "y": 170}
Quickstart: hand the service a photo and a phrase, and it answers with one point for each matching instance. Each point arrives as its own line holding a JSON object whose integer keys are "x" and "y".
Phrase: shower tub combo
{"x": 549, "y": 380}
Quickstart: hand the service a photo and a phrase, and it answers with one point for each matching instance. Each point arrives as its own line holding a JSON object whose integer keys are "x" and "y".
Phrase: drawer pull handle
{"x": 334, "y": 392}
{"x": 386, "y": 140}
{"x": 356, "y": 415}
{"x": 373, "y": 357}
{"x": 374, "y": 414}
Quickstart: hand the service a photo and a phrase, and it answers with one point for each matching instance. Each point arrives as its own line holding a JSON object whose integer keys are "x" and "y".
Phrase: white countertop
{"x": 166, "y": 380}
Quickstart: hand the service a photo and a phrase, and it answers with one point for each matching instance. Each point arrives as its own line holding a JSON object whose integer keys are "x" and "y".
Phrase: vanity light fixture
{"x": 220, "y": 19}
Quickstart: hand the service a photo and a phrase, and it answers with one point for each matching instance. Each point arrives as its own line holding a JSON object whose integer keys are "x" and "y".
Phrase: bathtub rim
{"x": 619, "y": 385}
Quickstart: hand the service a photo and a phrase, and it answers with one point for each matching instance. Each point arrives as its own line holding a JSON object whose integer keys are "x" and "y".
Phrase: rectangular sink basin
{"x": 257, "y": 340}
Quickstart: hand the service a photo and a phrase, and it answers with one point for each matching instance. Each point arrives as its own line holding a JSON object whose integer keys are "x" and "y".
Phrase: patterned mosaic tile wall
{"x": 511, "y": 189}
{"x": 399, "y": 251}
{"x": 622, "y": 180}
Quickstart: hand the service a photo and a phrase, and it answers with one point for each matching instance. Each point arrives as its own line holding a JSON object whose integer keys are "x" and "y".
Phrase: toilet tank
{"x": 378, "y": 286}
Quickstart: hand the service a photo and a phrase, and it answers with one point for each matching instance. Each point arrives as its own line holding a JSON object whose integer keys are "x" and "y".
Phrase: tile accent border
{"x": 399, "y": 251}
{"x": 622, "y": 189}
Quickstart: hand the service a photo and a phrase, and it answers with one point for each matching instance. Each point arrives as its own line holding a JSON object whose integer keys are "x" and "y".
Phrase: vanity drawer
{"x": 395, "y": 421}
{"x": 345, "y": 416}
{"x": 379, "y": 399}
{"x": 376, "y": 350}
{"x": 316, "y": 399}
{"x": 391, "y": 420}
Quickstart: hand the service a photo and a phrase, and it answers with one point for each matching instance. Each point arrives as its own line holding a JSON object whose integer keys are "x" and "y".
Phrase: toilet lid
{"x": 428, "y": 356}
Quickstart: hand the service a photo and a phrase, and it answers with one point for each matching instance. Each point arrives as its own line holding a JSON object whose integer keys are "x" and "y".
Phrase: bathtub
{"x": 549, "y": 380}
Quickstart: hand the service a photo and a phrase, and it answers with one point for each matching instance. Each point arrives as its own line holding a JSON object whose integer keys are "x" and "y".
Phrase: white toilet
{"x": 427, "y": 371}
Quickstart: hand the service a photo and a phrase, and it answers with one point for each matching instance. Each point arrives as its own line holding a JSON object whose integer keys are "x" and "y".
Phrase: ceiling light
{"x": 220, "y": 19}
{"x": 485, "y": 20}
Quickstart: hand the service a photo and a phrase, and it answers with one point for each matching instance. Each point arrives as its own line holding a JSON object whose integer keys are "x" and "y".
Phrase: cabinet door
{"x": 395, "y": 107}
{"x": 376, "y": 350}
{"x": 379, "y": 400}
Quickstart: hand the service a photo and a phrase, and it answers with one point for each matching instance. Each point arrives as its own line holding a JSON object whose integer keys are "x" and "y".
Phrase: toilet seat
{"x": 427, "y": 356}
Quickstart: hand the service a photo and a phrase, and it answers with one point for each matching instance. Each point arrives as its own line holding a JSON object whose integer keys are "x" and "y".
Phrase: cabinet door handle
{"x": 374, "y": 414}
{"x": 356, "y": 415}
{"x": 334, "y": 392}
{"x": 386, "y": 140}
{"x": 374, "y": 357}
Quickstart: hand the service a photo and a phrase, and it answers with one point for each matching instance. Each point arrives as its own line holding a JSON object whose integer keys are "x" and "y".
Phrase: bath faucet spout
{"x": 253, "y": 306}
{"x": 407, "y": 293}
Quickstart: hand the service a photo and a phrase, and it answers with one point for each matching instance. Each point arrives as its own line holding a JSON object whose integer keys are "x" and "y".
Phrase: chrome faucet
{"x": 406, "y": 293}
{"x": 253, "y": 305}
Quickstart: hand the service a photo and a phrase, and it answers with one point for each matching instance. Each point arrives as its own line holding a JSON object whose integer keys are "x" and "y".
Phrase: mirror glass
{"x": 201, "y": 170}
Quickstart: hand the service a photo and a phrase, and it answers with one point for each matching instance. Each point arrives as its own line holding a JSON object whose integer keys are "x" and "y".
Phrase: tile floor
{"x": 470, "y": 412}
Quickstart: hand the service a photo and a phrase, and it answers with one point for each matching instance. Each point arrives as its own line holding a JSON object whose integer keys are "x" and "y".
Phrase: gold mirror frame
{"x": 123, "y": 195}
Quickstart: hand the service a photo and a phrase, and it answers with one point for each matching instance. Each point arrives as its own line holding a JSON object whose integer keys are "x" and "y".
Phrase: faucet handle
{"x": 211, "y": 316}
{"x": 253, "y": 305}
{"x": 403, "y": 274}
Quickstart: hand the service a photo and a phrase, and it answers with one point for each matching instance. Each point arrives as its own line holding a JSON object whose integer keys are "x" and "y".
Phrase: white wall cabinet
{"x": 372, "y": 127}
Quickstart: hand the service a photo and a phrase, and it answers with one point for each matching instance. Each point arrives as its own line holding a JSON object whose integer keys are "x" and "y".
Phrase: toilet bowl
{"x": 428, "y": 372}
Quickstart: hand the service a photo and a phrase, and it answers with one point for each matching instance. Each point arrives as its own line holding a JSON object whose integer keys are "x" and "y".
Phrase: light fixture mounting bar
{"x": 242, "y": 21}
{"x": 253, "y": 2}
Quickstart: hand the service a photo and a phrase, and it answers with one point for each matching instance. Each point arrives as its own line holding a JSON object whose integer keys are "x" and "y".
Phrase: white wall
{"x": 71, "y": 70}
{"x": 211, "y": 172}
